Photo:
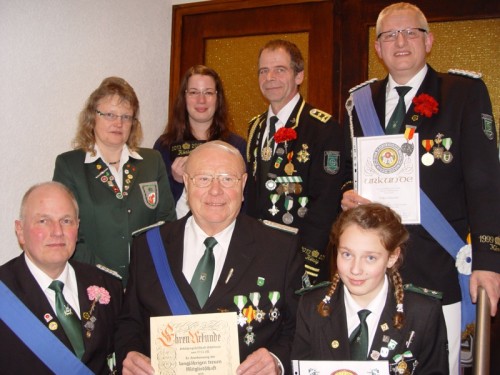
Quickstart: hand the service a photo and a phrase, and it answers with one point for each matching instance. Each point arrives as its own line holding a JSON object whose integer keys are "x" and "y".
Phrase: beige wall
{"x": 53, "y": 54}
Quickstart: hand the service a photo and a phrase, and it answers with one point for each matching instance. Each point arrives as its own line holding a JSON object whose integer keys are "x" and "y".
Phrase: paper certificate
{"x": 340, "y": 367}
{"x": 386, "y": 170}
{"x": 200, "y": 344}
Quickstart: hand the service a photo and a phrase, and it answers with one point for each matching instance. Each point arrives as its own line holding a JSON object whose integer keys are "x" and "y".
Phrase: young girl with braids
{"x": 404, "y": 325}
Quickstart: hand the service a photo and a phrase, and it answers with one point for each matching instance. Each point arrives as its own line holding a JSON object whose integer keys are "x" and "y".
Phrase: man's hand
{"x": 260, "y": 362}
{"x": 490, "y": 281}
{"x": 137, "y": 364}
{"x": 351, "y": 199}
{"x": 178, "y": 168}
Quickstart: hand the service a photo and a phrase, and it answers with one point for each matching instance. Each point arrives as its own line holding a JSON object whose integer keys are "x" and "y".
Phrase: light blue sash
{"x": 172, "y": 294}
{"x": 31, "y": 331}
{"x": 431, "y": 218}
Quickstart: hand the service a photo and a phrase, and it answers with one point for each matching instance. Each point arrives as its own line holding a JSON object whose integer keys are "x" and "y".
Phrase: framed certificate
{"x": 195, "y": 344}
{"x": 340, "y": 367}
{"x": 386, "y": 170}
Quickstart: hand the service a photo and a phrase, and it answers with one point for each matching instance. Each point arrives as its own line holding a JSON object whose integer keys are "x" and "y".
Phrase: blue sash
{"x": 172, "y": 294}
{"x": 431, "y": 218}
{"x": 43, "y": 343}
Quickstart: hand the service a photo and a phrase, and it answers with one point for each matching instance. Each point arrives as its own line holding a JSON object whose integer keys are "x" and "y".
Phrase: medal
{"x": 270, "y": 185}
{"x": 427, "y": 158}
{"x": 274, "y": 312}
{"x": 288, "y": 217}
{"x": 249, "y": 313}
{"x": 274, "y": 198}
{"x": 447, "y": 156}
{"x": 303, "y": 155}
{"x": 289, "y": 167}
{"x": 266, "y": 153}
{"x": 280, "y": 151}
{"x": 240, "y": 302}
{"x": 250, "y": 336}
{"x": 259, "y": 314}
{"x": 278, "y": 161}
{"x": 301, "y": 212}
{"x": 438, "y": 150}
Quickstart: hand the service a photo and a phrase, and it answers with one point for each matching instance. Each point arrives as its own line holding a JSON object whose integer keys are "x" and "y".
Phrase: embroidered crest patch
{"x": 488, "y": 125}
{"x": 331, "y": 162}
{"x": 149, "y": 192}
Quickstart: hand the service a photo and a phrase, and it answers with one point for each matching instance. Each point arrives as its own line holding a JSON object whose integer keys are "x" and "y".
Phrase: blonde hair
{"x": 401, "y": 6}
{"x": 85, "y": 137}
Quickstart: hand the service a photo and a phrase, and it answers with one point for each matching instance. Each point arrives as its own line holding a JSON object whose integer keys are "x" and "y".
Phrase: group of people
{"x": 247, "y": 224}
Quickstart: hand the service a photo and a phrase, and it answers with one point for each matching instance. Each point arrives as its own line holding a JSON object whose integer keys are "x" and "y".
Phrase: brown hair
{"x": 297, "y": 61}
{"x": 392, "y": 234}
{"x": 85, "y": 137}
{"x": 178, "y": 128}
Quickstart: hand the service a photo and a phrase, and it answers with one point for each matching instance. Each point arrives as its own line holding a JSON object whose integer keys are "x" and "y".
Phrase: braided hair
{"x": 393, "y": 235}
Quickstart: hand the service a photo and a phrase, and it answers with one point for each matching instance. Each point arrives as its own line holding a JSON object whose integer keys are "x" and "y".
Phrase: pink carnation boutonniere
{"x": 96, "y": 295}
{"x": 285, "y": 135}
{"x": 425, "y": 105}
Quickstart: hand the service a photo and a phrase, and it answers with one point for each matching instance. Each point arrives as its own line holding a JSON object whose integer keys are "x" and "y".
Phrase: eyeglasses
{"x": 205, "y": 180}
{"x": 208, "y": 94}
{"x": 127, "y": 119}
{"x": 391, "y": 36}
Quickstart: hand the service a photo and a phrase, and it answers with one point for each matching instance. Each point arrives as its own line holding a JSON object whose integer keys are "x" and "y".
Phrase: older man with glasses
{"x": 459, "y": 167}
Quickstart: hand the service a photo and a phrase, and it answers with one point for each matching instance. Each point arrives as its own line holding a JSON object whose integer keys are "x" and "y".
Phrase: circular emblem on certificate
{"x": 387, "y": 158}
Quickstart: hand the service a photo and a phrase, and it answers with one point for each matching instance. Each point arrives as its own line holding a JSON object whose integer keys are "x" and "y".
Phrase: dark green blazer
{"x": 108, "y": 217}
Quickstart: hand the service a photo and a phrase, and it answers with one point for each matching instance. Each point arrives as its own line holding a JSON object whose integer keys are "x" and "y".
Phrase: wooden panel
{"x": 356, "y": 17}
{"x": 194, "y": 24}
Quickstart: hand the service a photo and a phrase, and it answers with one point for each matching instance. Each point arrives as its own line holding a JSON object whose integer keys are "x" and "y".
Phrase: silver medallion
{"x": 438, "y": 152}
{"x": 260, "y": 315}
{"x": 270, "y": 185}
{"x": 447, "y": 157}
{"x": 250, "y": 336}
{"x": 407, "y": 148}
{"x": 273, "y": 210}
{"x": 427, "y": 159}
{"x": 242, "y": 320}
{"x": 301, "y": 212}
{"x": 274, "y": 314}
{"x": 280, "y": 151}
{"x": 287, "y": 218}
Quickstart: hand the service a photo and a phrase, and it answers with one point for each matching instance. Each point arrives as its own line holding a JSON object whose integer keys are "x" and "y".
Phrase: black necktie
{"x": 272, "y": 128}
{"x": 358, "y": 341}
{"x": 399, "y": 113}
{"x": 69, "y": 321}
{"x": 204, "y": 273}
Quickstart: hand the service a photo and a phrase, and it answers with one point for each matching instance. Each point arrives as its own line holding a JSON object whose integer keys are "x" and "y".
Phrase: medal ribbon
{"x": 447, "y": 143}
{"x": 274, "y": 198}
{"x": 303, "y": 201}
{"x": 409, "y": 131}
{"x": 240, "y": 301}
{"x": 283, "y": 179}
{"x": 274, "y": 297}
{"x": 255, "y": 298}
{"x": 427, "y": 143}
{"x": 288, "y": 204}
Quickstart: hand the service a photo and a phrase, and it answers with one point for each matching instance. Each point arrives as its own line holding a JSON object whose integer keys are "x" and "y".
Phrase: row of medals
{"x": 438, "y": 152}
{"x": 283, "y": 188}
{"x": 247, "y": 314}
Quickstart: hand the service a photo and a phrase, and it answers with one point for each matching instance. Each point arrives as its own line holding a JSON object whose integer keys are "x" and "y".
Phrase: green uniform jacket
{"x": 107, "y": 216}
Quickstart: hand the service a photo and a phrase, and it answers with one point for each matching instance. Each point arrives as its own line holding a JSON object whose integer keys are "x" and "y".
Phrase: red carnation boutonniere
{"x": 285, "y": 135}
{"x": 425, "y": 105}
{"x": 96, "y": 295}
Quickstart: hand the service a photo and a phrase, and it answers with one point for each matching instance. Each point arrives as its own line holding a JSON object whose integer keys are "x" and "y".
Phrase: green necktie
{"x": 204, "y": 273}
{"x": 358, "y": 341}
{"x": 69, "y": 320}
{"x": 399, "y": 113}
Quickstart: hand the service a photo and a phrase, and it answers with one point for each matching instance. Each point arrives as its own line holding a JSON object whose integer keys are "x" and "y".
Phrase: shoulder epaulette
{"x": 465, "y": 73}
{"x": 142, "y": 230}
{"x": 256, "y": 118}
{"x": 320, "y": 115}
{"x": 363, "y": 84}
{"x": 109, "y": 270}
{"x": 424, "y": 291}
